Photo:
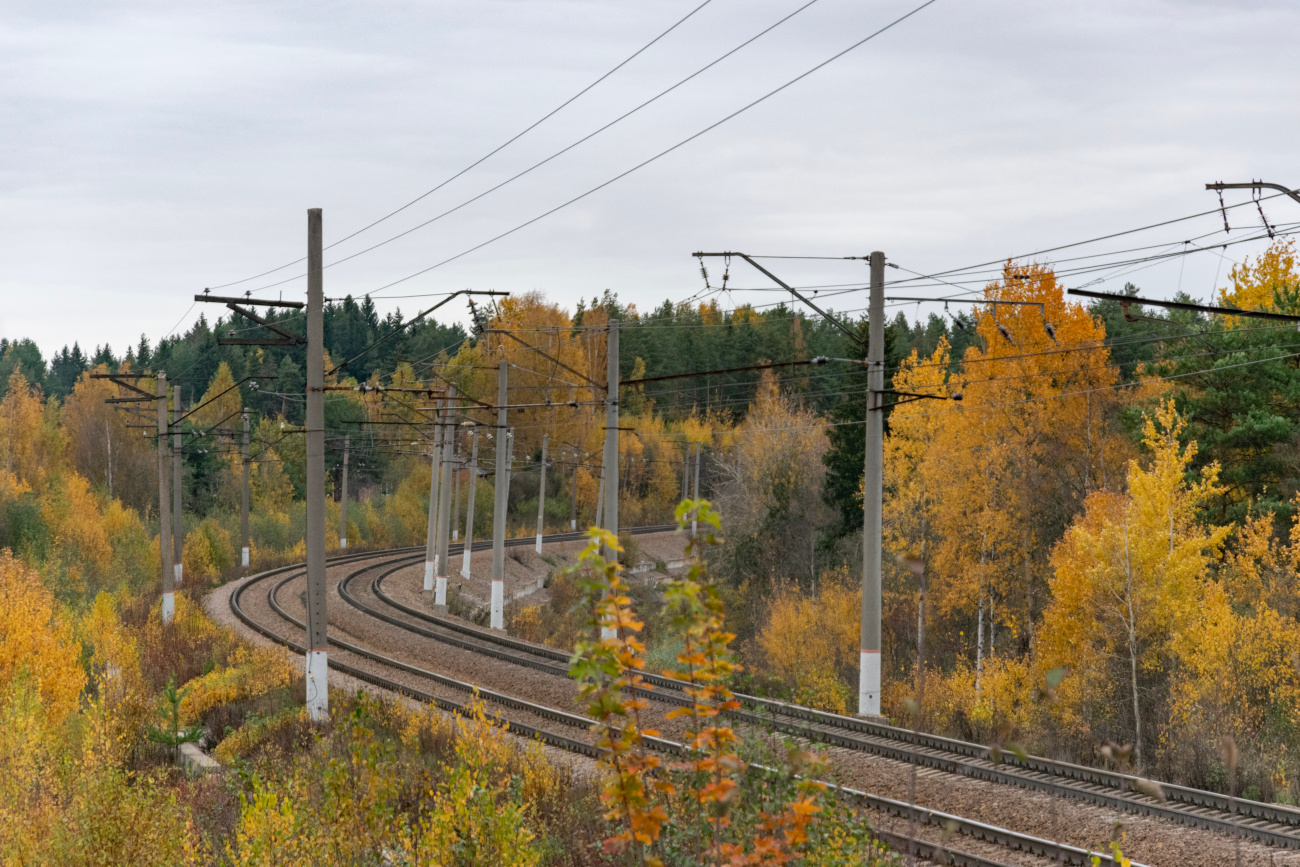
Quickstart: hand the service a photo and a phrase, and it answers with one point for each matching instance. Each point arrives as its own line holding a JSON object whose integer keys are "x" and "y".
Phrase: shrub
{"x": 811, "y": 643}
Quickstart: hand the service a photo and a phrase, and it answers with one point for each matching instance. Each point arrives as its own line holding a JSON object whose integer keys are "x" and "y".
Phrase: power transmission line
{"x": 490, "y": 153}
{"x": 978, "y": 407}
{"x": 558, "y": 153}
{"x": 662, "y": 153}
{"x": 1098, "y": 238}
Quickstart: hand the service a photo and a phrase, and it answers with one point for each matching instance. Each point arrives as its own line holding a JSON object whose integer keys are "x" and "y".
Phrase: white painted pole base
{"x": 464, "y": 563}
{"x": 695, "y": 527}
{"x": 428, "y": 574}
{"x": 606, "y": 633}
{"x": 318, "y": 682}
{"x": 440, "y": 592}
{"x": 243, "y": 558}
{"x": 539, "y": 543}
{"x": 343, "y": 543}
{"x": 573, "y": 525}
{"x": 498, "y": 604}
{"x": 455, "y": 535}
{"x": 178, "y": 572}
{"x": 869, "y": 683}
{"x": 168, "y": 607}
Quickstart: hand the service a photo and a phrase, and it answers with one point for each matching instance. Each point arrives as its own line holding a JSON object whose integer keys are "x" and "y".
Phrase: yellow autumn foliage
{"x": 250, "y": 673}
{"x": 31, "y": 440}
{"x": 981, "y": 489}
{"x": 115, "y": 459}
{"x": 1025, "y": 441}
{"x": 118, "y": 714}
{"x": 1003, "y": 701}
{"x": 1257, "y": 282}
{"x": 472, "y": 812}
{"x": 80, "y": 537}
{"x": 811, "y": 641}
{"x": 118, "y": 819}
{"x": 35, "y": 642}
{"x": 1236, "y": 671}
{"x": 220, "y": 403}
{"x": 407, "y": 508}
{"x": 472, "y": 817}
{"x": 254, "y": 733}
{"x": 208, "y": 550}
{"x": 1261, "y": 571}
{"x": 30, "y": 761}
{"x": 1130, "y": 580}
{"x": 371, "y": 526}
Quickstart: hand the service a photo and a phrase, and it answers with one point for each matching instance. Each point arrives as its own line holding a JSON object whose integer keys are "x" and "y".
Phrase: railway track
{"x": 538, "y": 721}
{"x": 1271, "y": 824}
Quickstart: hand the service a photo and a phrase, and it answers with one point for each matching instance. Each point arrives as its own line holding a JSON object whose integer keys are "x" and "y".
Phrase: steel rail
{"x": 561, "y": 741}
{"x": 977, "y": 830}
{"x": 569, "y": 719}
{"x": 469, "y": 644}
{"x": 1272, "y": 824}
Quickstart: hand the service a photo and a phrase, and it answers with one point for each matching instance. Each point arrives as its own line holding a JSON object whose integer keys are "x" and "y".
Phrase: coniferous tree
{"x": 104, "y": 355}
{"x": 143, "y": 353}
{"x": 289, "y": 384}
{"x": 65, "y": 368}
{"x": 846, "y": 459}
{"x": 21, "y": 355}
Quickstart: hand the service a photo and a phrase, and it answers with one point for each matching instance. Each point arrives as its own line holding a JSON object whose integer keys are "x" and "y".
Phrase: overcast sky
{"x": 150, "y": 149}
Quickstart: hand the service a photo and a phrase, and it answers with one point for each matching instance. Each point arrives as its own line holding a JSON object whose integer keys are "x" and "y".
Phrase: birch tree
{"x": 1130, "y": 578}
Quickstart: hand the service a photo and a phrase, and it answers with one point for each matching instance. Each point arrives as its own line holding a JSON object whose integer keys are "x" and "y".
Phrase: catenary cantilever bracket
{"x": 787, "y": 287}
{"x": 1219, "y": 186}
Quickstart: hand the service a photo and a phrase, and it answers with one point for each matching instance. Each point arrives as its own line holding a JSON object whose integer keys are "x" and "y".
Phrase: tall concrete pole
{"x": 869, "y": 665}
{"x": 600, "y": 492}
{"x": 243, "y": 503}
{"x": 343, "y": 497}
{"x": 317, "y": 641}
{"x": 501, "y": 486}
{"x": 165, "y": 507}
{"x": 469, "y": 505}
{"x": 699, "y": 450}
{"x": 686, "y": 471}
{"x": 443, "y": 557}
{"x": 610, "y": 468}
{"x": 611, "y": 433}
{"x": 455, "y": 482}
{"x": 178, "y": 481}
{"x": 573, "y": 496}
{"x": 510, "y": 466}
{"x": 431, "y": 536}
{"x": 541, "y": 498}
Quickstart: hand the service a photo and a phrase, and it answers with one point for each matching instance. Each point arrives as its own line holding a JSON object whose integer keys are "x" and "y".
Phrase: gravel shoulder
{"x": 526, "y": 570}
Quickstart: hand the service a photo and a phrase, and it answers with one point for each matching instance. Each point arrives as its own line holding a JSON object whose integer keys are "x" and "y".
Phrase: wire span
{"x": 660, "y": 154}
{"x": 490, "y": 153}
{"x": 555, "y": 155}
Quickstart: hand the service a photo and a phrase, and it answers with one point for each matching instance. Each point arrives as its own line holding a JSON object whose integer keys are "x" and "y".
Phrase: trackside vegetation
{"x": 1094, "y": 556}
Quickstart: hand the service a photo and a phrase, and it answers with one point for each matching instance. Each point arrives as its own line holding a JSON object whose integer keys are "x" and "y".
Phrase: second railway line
{"x": 865, "y": 754}
{"x": 980, "y": 844}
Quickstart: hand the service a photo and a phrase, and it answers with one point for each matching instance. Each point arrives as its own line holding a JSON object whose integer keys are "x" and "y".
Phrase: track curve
{"x": 535, "y": 720}
{"x": 1273, "y": 825}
